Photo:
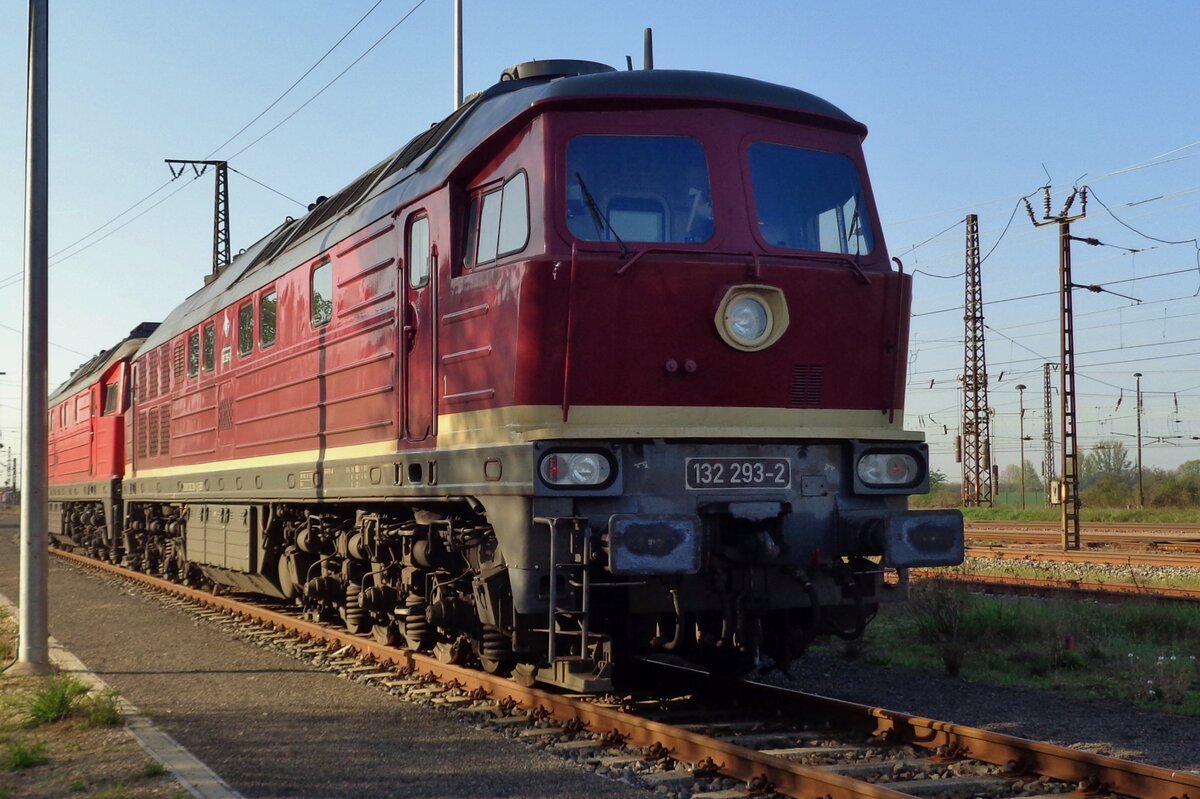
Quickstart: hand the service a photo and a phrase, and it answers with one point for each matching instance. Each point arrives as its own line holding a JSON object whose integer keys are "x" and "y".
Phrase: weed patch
{"x": 56, "y": 698}
{"x": 102, "y": 709}
{"x": 1133, "y": 652}
{"x": 20, "y": 754}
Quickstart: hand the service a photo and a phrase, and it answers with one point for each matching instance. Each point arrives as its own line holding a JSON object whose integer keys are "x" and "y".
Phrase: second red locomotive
{"x": 603, "y": 364}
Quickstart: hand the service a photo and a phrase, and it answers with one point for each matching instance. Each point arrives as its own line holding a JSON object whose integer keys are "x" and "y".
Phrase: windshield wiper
{"x": 854, "y": 233}
{"x": 598, "y": 215}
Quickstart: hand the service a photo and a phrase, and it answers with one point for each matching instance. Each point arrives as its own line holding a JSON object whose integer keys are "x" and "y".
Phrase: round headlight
{"x": 747, "y": 320}
{"x": 888, "y": 469}
{"x": 575, "y": 469}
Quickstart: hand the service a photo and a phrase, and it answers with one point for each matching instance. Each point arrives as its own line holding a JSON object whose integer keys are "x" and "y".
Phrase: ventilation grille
{"x": 164, "y": 430}
{"x": 164, "y": 370}
{"x": 808, "y": 382}
{"x": 225, "y": 414}
{"x": 150, "y": 376}
{"x": 142, "y": 420}
{"x": 179, "y": 363}
{"x": 152, "y": 431}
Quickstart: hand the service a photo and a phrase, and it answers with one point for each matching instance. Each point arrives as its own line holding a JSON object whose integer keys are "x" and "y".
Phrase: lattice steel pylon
{"x": 1070, "y": 452}
{"x": 221, "y": 247}
{"x": 976, "y": 420}
{"x": 1048, "y": 469}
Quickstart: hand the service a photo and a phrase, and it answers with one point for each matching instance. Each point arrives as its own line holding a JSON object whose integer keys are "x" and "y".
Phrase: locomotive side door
{"x": 418, "y": 331}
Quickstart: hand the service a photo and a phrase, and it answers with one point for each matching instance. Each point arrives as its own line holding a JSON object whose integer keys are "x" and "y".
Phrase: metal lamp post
{"x": 1141, "y": 497}
{"x": 1021, "y": 404}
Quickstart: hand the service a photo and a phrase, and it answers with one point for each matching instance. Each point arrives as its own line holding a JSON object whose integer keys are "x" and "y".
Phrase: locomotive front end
{"x": 719, "y": 464}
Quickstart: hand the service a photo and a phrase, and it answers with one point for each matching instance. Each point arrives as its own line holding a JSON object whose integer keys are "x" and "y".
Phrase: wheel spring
{"x": 496, "y": 645}
{"x": 416, "y": 627}
{"x": 354, "y": 611}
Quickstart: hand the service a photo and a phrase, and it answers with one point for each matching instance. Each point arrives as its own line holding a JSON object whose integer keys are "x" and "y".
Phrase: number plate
{"x": 729, "y": 473}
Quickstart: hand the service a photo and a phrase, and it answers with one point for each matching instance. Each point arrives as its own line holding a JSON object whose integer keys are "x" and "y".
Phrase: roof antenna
{"x": 629, "y": 63}
{"x": 648, "y": 49}
{"x": 458, "y": 55}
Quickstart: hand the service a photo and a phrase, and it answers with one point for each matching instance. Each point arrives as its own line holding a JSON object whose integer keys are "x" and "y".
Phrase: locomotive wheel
{"x": 386, "y": 634}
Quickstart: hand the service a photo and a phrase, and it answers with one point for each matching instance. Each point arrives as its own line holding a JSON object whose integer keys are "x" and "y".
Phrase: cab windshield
{"x": 638, "y": 189}
{"x": 809, "y": 200}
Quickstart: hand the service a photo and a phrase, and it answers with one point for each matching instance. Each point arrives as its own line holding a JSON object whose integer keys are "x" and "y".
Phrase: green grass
{"x": 21, "y": 754}
{"x": 1007, "y": 508}
{"x": 57, "y": 697}
{"x": 154, "y": 770}
{"x": 1142, "y": 653}
{"x": 1086, "y": 514}
{"x": 112, "y": 792}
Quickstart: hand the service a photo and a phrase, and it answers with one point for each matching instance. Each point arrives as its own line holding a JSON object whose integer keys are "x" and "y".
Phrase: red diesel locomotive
{"x": 603, "y": 364}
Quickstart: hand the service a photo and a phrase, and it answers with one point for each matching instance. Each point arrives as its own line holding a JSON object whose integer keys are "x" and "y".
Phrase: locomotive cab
{"x": 708, "y": 372}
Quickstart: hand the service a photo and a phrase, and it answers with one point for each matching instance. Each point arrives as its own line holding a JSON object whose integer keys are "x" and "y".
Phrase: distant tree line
{"x": 1107, "y": 479}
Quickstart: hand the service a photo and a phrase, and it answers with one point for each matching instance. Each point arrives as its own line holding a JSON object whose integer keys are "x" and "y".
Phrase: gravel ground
{"x": 1100, "y": 572}
{"x": 272, "y": 726}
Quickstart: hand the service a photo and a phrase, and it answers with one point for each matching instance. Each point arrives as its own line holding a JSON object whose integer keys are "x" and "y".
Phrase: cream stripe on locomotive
{"x": 542, "y": 422}
{"x": 525, "y": 423}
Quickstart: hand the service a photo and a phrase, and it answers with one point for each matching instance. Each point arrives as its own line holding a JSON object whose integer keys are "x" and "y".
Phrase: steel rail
{"x": 1105, "y": 557}
{"x": 788, "y": 777}
{"x": 1004, "y": 524}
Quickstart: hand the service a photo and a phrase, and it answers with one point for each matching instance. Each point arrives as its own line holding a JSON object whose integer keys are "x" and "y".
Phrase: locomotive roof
{"x": 99, "y": 363}
{"x": 430, "y": 158}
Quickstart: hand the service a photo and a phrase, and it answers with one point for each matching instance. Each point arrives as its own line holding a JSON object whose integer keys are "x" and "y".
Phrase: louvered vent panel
{"x": 152, "y": 432}
{"x": 164, "y": 370}
{"x": 142, "y": 420}
{"x": 150, "y": 375}
{"x": 808, "y": 382}
{"x": 179, "y": 361}
{"x": 164, "y": 430}
{"x": 225, "y": 414}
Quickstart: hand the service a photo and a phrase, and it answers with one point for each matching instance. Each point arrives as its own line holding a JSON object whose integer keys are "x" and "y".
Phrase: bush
{"x": 939, "y": 613}
{"x": 55, "y": 700}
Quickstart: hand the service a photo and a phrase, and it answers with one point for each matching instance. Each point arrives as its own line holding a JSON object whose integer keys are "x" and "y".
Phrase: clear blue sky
{"x": 970, "y": 106}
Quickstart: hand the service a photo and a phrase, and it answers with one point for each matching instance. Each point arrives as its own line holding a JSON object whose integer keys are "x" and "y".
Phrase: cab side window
{"x": 112, "y": 397}
{"x": 498, "y": 222}
{"x": 418, "y": 252}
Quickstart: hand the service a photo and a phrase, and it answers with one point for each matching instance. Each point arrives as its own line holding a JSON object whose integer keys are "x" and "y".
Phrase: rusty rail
{"x": 738, "y": 762}
{"x": 1098, "y": 556}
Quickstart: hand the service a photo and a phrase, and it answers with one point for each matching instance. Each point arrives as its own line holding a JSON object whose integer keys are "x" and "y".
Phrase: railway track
{"x": 688, "y": 739}
{"x": 1098, "y": 556}
{"x": 1160, "y": 537}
